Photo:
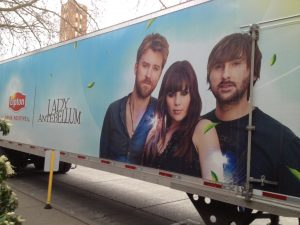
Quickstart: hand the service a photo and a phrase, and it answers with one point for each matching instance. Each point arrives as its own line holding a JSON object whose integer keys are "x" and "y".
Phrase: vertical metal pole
{"x": 52, "y": 159}
{"x": 254, "y": 34}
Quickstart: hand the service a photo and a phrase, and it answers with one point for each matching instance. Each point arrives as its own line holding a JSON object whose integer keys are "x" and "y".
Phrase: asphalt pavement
{"x": 33, "y": 211}
{"x": 88, "y": 196}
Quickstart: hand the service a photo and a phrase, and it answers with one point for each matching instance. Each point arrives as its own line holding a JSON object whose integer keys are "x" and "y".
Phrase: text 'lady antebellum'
{"x": 59, "y": 111}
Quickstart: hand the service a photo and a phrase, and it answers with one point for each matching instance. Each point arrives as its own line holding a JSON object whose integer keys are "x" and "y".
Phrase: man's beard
{"x": 144, "y": 92}
{"x": 235, "y": 97}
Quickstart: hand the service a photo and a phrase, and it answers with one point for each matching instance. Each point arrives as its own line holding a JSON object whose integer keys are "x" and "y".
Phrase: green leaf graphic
{"x": 273, "y": 60}
{"x": 90, "y": 85}
{"x": 210, "y": 126}
{"x": 150, "y": 23}
{"x": 214, "y": 176}
{"x": 295, "y": 172}
{"x": 75, "y": 44}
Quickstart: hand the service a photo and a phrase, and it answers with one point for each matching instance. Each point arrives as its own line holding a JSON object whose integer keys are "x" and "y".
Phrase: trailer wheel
{"x": 64, "y": 167}
{"x": 18, "y": 160}
{"x": 38, "y": 162}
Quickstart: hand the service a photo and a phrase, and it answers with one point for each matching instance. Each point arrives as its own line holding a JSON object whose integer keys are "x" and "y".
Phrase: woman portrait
{"x": 180, "y": 140}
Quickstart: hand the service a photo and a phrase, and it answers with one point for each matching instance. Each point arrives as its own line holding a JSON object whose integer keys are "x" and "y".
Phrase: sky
{"x": 117, "y": 11}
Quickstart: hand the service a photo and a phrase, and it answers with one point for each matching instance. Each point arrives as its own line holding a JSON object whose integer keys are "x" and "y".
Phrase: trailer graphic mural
{"x": 172, "y": 93}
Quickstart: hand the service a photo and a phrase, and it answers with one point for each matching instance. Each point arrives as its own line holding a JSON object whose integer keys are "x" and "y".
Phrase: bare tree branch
{"x": 18, "y": 6}
{"x": 161, "y": 2}
{"x": 30, "y": 27}
{"x": 29, "y": 24}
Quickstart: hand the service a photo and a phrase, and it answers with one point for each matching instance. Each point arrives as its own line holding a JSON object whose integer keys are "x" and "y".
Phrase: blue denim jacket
{"x": 115, "y": 142}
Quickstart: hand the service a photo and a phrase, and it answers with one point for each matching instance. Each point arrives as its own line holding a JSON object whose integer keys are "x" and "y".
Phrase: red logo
{"x": 17, "y": 101}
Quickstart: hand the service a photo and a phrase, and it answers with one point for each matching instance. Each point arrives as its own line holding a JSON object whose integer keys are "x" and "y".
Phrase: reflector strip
{"x": 19, "y": 144}
{"x": 273, "y": 195}
{"x": 130, "y": 167}
{"x": 105, "y": 161}
{"x": 31, "y": 146}
{"x": 62, "y": 153}
{"x": 210, "y": 184}
{"x": 164, "y": 174}
{"x": 81, "y": 157}
{"x": 10, "y": 142}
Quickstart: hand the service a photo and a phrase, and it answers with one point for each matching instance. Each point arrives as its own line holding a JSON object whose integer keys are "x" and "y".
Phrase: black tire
{"x": 18, "y": 160}
{"x": 38, "y": 162}
{"x": 64, "y": 167}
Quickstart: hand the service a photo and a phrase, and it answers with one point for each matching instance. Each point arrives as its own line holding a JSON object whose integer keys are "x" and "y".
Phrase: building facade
{"x": 73, "y": 22}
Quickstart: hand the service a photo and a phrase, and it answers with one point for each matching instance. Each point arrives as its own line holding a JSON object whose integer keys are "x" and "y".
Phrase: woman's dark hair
{"x": 179, "y": 76}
